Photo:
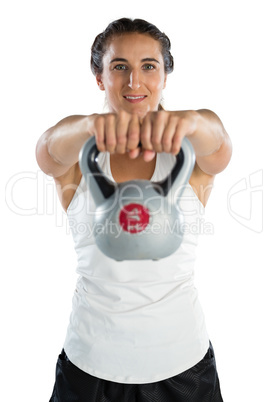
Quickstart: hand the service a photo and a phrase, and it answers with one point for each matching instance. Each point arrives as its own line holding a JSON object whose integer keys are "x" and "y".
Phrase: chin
{"x": 141, "y": 111}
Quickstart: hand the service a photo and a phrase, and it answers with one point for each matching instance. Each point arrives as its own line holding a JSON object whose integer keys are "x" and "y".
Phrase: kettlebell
{"x": 137, "y": 219}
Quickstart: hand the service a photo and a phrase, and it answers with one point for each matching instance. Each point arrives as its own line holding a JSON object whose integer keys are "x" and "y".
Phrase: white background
{"x": 220, "y": 51}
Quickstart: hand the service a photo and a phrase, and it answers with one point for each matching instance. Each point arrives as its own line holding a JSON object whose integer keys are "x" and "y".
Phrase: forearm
{"x": 209, "y": 135}
{"x": 65, "y": 139}
{"x": 211, "y": 143}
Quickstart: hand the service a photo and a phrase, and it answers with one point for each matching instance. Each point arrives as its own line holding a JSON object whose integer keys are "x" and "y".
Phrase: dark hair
{"x": 126, "y": 25}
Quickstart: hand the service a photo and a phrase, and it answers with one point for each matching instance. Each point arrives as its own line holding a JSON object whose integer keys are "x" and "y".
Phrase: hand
{"x": 164, "y": 131}
{"x": 161, "y": 131}
{"x": 116, "y": 133}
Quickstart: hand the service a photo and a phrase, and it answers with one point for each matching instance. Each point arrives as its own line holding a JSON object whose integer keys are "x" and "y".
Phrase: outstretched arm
{"x": 58, "y": 148}
{"x": 164, "y": 131}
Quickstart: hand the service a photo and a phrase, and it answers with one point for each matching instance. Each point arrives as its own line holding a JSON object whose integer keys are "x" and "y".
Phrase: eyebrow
{"x": 143, "y": 60}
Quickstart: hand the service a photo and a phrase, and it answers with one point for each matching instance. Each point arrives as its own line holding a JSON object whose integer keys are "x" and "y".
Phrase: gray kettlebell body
{"x": 137, "y": 219}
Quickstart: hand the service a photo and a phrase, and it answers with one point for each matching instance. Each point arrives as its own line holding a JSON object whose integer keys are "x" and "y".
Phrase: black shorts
{"x": 198, "y": 384}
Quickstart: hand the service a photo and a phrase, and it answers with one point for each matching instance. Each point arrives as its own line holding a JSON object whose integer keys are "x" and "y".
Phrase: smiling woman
{"x": 137, "y": 331}
{"x": 133, "y": 74}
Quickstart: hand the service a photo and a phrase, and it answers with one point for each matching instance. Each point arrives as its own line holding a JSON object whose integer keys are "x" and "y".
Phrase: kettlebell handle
{"x": 180, "y": 173}
{"x": 89, "y": 167}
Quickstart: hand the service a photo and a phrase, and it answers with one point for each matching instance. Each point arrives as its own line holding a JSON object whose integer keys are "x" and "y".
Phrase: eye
{"x": 148, "y": 67}
{"x": 120, "y": 67}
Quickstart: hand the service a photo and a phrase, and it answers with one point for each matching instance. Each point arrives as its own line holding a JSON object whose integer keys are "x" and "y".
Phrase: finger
{"x": 99, "y": 128}
{"x": 133, "y": 137}
{"x": 169, "y": 133}
{"x": 145, "y": 132}
{"x": 176, "y": 141}
{"x": 134, "y": 153}
{"x": 183, "y": 129}
{"x": 110, "y": 132}
{"x": 122, "y": 124}
{"x": 148, "y": 156}
{"x": 158, "y": 128}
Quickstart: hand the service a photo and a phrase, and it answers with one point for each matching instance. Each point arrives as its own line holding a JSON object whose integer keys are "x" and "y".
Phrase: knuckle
{"x": 99, "y": 138}
{"x": 176, "y": 147}
{"x": 122, "y": 116}
{"x": 160, "y": 115}
{"x": 110, "y": 141}
{"x": 110, "y": 117}
{"x": 183, "y": 122}
{"x": 166, "y": 140}
{"x": 99, "y": 120}
{"x": 144, "y": 141}
{"x": 122, "y": 113}
{"x": 143, "y": 135}
{"x": 100, "y": 144}
{"x": 121, "y": 140}
{"x": 156, "y": 140}
{"x": 167, "y": 146}
{"x": 173, "y": 116}
{"x": 133, "y": 140}
{"x": 157, "y": 117}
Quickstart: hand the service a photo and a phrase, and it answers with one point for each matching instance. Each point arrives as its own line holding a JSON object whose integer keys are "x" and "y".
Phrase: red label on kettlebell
{"x": 134, "y": 218}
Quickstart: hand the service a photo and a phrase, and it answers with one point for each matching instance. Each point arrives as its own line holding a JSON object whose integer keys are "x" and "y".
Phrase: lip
{"x": 134, "y": 98}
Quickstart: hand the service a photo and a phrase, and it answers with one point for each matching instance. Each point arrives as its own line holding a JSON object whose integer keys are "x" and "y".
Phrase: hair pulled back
{"x": 126, "y": 25}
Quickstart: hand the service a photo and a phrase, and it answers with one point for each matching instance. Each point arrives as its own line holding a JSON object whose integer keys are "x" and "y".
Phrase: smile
{"x": 135, "y": 99}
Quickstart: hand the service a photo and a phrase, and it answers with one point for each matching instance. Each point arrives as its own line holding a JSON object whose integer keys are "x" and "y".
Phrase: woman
{"x": 137, "y": 331}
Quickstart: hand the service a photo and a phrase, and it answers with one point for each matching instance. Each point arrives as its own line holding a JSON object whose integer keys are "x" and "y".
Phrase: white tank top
{"x": 135, "y": 321}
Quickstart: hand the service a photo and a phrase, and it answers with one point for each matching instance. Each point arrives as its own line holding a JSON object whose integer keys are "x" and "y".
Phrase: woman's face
{"x": 133, "y": 74}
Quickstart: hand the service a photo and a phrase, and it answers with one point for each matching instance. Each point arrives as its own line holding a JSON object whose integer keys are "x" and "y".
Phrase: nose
{"x": 134, "y": 80}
